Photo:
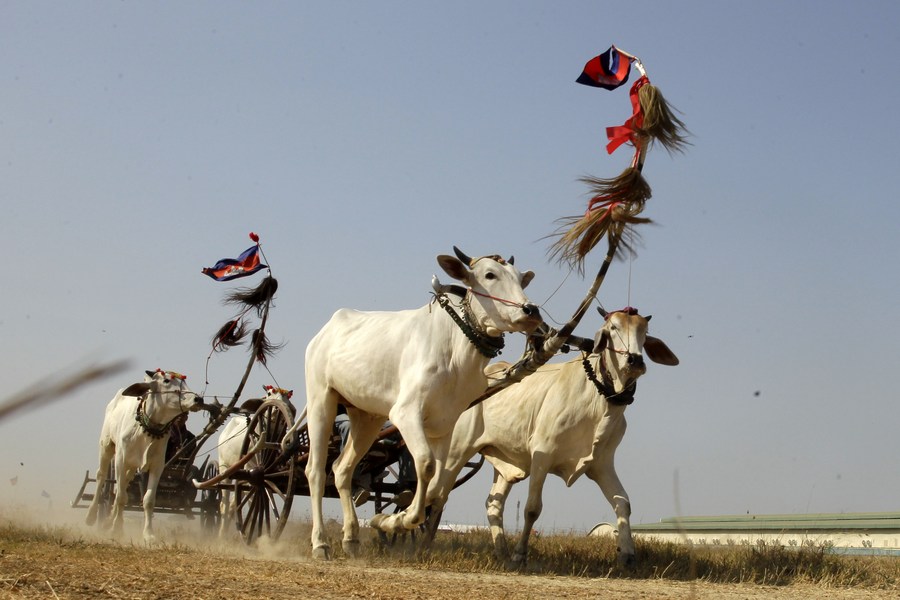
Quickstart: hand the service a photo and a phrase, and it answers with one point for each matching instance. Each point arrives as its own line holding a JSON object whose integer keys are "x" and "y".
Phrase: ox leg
{"x": 156, "y": 460}
{"x": 364, "y": 430}
{"x": 226, "y": 509}
{"x": 106, "y": 456}
{"x": 123, "y": 478}
{"x": 494, "y": 504}
{"x": 320, "y": 421}
{"x": 605, "y": 476}
{"x": 412, "y": 516}
{"x": 438, "y": 492}
{"x": 533, "y": 505}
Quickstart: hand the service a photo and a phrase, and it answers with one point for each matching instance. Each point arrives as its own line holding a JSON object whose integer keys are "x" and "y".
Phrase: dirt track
{"x": 76, "y": 563}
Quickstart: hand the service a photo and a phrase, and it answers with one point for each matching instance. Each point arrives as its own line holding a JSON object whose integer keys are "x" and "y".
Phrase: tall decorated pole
{"x": 235, "y": 331}
{"x": 616, "y": 204}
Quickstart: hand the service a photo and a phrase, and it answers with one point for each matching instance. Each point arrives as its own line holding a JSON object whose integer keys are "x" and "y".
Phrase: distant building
{"x": 846, "y": 533}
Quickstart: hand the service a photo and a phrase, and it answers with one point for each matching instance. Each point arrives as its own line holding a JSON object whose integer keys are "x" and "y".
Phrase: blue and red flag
{"x": 607, "y": 71}
{"x": 231, "y": 268}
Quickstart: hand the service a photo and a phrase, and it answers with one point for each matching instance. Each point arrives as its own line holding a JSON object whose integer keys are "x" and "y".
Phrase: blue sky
{"x": 140, "y": 142}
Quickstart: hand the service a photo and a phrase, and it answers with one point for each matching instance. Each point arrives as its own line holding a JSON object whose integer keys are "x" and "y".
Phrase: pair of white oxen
{"x": 423, "y": 368}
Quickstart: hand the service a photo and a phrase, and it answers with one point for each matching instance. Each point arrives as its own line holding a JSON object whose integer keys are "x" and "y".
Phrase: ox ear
{"x": 600, "y": 341}
{"x": 453, "y": 267}
{"x": 137, "y": 389}
{"x": 527, "y": 276}
{"x": 658, "y": 352}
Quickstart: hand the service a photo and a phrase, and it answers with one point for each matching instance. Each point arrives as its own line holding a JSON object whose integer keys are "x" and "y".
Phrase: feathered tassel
{"x": 660, "y": 123}
{"x": 615, "y": 205}
{"x": 263, "y": 348}
{"x": 256, "y": 297}
{"x": 231, "y": 334}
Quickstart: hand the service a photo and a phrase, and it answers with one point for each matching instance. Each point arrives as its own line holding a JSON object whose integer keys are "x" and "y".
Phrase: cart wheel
{"x": 264, "y": 497}
{"x": 210, "y": 515}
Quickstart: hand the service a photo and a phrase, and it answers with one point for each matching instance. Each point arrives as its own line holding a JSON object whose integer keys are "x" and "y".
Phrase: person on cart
{"x": 179, "y": 437}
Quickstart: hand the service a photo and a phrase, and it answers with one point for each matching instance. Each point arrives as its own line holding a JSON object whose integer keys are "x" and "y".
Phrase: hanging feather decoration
{"x": 257, "y": 297}
{"x": 231, "y": 334}
{"x": 263, "y": 349}
{"x": 660, "y": 125}
{"x": 616, "y": 203}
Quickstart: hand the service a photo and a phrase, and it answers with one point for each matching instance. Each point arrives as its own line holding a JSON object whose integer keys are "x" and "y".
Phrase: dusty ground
{"x": 76, "y": 563}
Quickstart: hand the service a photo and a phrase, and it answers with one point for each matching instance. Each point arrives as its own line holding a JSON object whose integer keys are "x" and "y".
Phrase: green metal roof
{"x": 787, "y": 522}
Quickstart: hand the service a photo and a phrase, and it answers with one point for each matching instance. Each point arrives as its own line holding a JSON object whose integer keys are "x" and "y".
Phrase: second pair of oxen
{"x": 566, "y": 419}
{"x": 420, "y": 368}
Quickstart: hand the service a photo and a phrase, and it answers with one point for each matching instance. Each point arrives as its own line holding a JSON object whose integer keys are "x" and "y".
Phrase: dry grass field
{"x": 39, "y": 560}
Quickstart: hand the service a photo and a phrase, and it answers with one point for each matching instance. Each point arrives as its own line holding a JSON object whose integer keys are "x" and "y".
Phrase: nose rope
{"x": 501, "y": 300}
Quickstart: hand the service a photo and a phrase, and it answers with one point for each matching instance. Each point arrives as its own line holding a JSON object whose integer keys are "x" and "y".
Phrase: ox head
{"x": 496, "y": 289}
{"x": 624, "y": 338}
{"x": 167, "y": 391}
{"x": 277, "y": 393}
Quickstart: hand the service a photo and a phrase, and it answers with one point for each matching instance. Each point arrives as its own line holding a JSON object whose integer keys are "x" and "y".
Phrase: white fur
{"x": 554, "y": 421}
{"x": 124, "y": 442}
{"x": 415, "y": 367}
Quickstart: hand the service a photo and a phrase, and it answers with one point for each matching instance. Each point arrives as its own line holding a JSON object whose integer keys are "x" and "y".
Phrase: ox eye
{"x": 490, "y": 275}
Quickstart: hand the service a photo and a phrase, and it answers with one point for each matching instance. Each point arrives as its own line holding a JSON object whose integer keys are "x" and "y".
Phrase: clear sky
{"x": 141, "y": 142}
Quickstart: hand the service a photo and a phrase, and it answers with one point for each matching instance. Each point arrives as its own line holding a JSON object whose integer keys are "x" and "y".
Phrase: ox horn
{"x": 602, "y": 312}
{"x": 467, "y": 260}
{"x": 512, "y": 259}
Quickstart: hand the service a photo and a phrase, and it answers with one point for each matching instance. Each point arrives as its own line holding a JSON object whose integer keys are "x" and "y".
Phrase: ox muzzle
{"x": 635, "y": 361}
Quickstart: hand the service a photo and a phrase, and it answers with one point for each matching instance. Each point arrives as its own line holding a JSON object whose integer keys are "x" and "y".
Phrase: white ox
{"x": 231, "y": 440}
{"x": 416, "y": 367}
{"x": 134, "y": 436}
{"x": 557, "y": 421}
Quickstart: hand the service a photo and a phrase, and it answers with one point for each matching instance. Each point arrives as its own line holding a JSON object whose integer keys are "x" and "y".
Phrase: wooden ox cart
{"x": 268, "y": 476}
{"x": 264, "y": 481}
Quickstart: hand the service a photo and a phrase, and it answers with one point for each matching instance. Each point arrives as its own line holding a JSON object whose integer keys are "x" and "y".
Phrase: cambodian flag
{"x": 232, "y": 268}
{"x": 608, "y": 71}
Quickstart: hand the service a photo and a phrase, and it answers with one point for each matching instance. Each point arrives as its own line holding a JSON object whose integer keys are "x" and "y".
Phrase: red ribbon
{"x": 625, "y": 133}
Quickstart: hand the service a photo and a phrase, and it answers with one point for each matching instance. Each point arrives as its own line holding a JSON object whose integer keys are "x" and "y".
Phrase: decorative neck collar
{"x": 606, "y": 388}
{"x": 486, "y": 345}
{"x": 151, "y": 429}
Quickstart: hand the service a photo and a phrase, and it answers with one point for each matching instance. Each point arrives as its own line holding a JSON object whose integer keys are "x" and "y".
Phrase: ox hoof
{"x": 351, "y": 548}
{"x": 321, "y": 553}
{"x": 377, "y": 522}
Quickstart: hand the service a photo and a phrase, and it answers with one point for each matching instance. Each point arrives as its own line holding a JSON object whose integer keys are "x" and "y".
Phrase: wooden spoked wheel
{"x": 265, "y": 489}
{"x": 210, "y": 515}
